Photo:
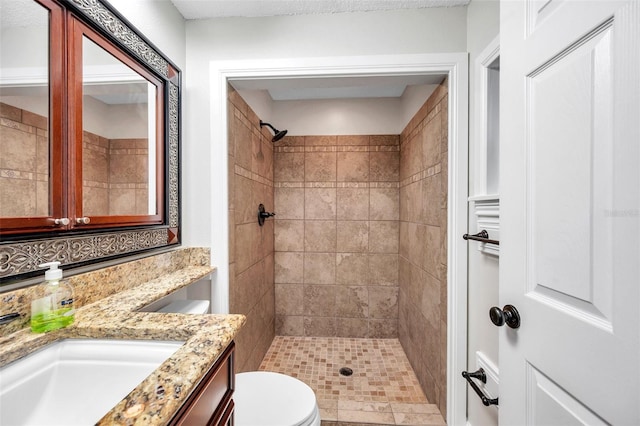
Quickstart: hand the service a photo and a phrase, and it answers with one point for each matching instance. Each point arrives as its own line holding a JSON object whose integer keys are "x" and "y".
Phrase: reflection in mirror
{"x": 24, "y": 109}
{"x": 119, "y": 137}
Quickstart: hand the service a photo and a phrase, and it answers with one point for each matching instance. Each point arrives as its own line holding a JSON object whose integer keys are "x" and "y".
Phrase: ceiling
{"x": 204, "y": 9}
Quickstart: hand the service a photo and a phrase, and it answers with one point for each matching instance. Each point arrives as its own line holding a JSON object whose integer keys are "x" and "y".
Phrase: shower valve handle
{"x": 263, "y": 214}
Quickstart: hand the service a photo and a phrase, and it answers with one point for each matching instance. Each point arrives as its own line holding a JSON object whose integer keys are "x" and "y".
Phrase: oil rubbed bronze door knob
{"x": 508, "y": 315}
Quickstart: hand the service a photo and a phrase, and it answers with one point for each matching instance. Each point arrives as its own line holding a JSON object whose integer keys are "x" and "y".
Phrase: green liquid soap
{"x": 52, "y": 320}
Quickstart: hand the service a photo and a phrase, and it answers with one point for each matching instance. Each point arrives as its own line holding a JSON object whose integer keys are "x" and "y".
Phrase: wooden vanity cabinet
{"x": 211, "y": 402}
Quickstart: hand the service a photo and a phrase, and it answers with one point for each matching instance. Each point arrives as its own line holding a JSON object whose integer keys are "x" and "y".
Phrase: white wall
{"x": 483, "y": 18}
{"x": 347, "y": 116}
{"x": 348, "y": 34}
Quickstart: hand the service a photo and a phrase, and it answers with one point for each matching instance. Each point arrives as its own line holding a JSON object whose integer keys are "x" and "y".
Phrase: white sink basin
{"x": 76, "y": 382}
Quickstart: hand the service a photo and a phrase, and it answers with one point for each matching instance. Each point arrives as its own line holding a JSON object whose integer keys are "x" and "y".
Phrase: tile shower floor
{"x": 382, "y": 390}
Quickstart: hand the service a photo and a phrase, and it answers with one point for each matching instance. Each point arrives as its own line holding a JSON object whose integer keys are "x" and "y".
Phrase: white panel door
{"x": 570, "y": 212}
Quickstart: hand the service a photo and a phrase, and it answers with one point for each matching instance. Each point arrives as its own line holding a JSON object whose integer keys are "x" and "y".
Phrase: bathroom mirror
{"x": 89, "y": 137}
{"x": 24, "y": 103}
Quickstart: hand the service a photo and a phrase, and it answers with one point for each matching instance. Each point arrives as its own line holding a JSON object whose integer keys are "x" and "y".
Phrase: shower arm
{"x": 262, "y": 123}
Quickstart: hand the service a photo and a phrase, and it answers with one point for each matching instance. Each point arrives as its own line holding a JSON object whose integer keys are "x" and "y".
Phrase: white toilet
{"x": 263, "y": 398}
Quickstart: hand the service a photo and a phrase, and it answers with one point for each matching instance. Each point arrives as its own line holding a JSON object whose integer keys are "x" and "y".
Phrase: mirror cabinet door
{"x": 81, "y": 146}
{"x": 120, "y": 137}
{"x": 31, "y": 86}
{"x": 89, "y": 137}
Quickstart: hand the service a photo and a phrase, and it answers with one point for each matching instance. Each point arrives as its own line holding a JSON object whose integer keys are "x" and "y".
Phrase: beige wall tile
{"x": 320, "y": 236}
{"x": 431, "y": 200}
{"x": 95, "y": 201}
{"x": 383, "y": 302}
{"x": 320, "y": 300}
{"x": 352, "y": 302}
{"x": 353, "y": 236}
{"x": 288, "y": 167}
{"x": 261, "y": 155}
{"x": 243, "y": 148}
{"x": 383, "y": 236}
{"x": 246, "y": 292}
{"x": 320, "y": 140}
{"x": 267, "y": 238}
{"x": 384, "y": 204}
{"x": 417, "y": 243}
{"x": 431, "y": 142}
{"x": 252, "y": 273}
{"x": 17, "y": 197}
{"x": 414, "y": 153}
{"x": 10, "y": 112}
{"x": 320, "y": 268}
{"x": 42, "y": 198}
{"x": 289, "y": 203}
{"x": 289, "y": 299}
{"x": 289, "y": 267}
{"x": 247, "y": 246}
{"x": 245, "y": 207}
{"x": 18, "y": 149}
{"x": 328, "y": 218}
{"x": 122, "y": 201}
{"x": 319, "y": 326}
{"x": 320, "y": 203}
{"x": 383, "y": 328}
{"x": 422, "y": 263}
{"x": 289, "y": 235}
{"x": 383, "y": 269}
{"x": 353, "y": 166}
{"x": 430, "y": 300}
{"x": 352, "y": 203}
{"x": 289, "y": 325}
{"x": 432, "y": 255}
{"x": 128, "y": 168}
{"x": 95, "y": 167}
{"x": 352, "y": 327}
{"x": 384, "y": 167}
{"x": 414, "y": 205}
{"x": 352, "y": 140}
{"x": 352, "y": 269}
{"x": 320, "y": 166}
{"x": 384, "y": 140}
{"x": 42, "y": 154}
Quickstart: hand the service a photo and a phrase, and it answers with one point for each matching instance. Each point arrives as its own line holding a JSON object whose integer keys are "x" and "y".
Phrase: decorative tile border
{"x": 173, "y": 152}
{"x": 338, "y": 148}
{"x": 23, "y": 257}
{"x": 337, "y": 184}
{"x": 97, "y": 12}
{"x": 241, "y": 171}
{"x": 431, "y": 171}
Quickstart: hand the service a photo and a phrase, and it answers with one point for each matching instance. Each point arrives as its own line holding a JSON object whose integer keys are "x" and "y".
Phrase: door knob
{"x": 508, "y": 315}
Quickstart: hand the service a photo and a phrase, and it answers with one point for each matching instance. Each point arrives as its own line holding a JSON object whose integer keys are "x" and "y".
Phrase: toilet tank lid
{"x": 272, "y": 399}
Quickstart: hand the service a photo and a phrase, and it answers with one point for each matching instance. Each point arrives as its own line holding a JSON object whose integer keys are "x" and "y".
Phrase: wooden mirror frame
{"x": 21, "y": 255}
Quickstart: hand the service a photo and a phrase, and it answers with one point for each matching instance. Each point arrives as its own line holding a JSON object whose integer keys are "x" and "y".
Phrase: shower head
{"x": 277, "y": 134}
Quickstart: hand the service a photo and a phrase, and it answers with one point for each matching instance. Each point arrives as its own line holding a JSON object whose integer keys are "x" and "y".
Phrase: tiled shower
{"x": 336, "y": 236}
{"x": 357, "y": 248}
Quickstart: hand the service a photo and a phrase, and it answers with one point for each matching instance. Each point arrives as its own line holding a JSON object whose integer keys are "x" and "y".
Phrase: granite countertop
{"x": 117, "y": 317}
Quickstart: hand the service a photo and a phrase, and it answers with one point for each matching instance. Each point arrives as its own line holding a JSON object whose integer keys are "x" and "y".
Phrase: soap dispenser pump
{"x": 52, "y": 308}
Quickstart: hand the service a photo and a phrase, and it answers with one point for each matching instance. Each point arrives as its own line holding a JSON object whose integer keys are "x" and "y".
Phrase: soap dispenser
{"x": 52, "y": 308}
